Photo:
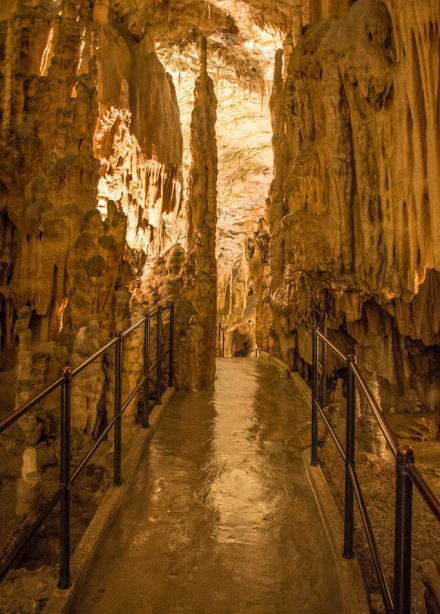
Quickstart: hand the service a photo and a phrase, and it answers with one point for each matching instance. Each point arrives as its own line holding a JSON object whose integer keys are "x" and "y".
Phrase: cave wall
{"x": 90, "y": 181}
{"x": 90, "y": 185}
{"x": 354, "y": 201}
{"x": 187, "y": 274}
{"x": 91, "y": 144}
{"x": 322, "y": 9}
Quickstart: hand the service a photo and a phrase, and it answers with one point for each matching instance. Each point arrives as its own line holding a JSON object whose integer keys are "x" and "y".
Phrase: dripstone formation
{"x": 113, "y": 201}
{"x": 353, "y": 204}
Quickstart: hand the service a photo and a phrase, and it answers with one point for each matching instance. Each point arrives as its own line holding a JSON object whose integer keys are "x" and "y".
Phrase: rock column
{"x": 200, "y": 287}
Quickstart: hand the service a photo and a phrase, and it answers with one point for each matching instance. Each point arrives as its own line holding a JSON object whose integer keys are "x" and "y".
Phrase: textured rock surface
{"x": 196, "y": 347}
{"x": 352, "y": 211}
{"x": 91, "y": 146}
{"x": 111, "y": 145}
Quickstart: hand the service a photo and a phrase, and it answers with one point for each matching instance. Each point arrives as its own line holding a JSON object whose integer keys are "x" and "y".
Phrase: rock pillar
{"x": 200, "y": 287}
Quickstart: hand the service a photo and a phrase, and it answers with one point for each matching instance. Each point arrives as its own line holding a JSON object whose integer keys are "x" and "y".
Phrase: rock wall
{"x": 90, "y": 179}
{"x": 322, "y": 9}
{"x": 91, "y": 145}
{"x": 353, "y": 205}
{"x": 138, "y": 140}
{"x": 186, "y": 272}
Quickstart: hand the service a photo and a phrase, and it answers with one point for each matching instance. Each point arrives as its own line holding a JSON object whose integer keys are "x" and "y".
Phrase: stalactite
{"x": 297, "y": 24}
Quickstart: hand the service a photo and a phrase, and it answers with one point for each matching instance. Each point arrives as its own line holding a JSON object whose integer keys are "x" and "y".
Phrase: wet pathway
{"x": 221, "y": 517}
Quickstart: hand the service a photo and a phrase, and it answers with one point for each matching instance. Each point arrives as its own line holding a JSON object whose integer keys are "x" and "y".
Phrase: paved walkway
{"x": 221, "y": 516}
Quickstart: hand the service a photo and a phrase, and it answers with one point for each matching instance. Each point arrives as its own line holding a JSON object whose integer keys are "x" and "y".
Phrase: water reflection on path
{"x": 221, "y": 517}
{"x": 235, "y": 469}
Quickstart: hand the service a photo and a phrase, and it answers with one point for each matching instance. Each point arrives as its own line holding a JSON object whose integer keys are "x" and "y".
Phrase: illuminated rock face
{"x": 138, "y": 139}
{"x": 353, "y": 206}
{"x": 200, "y": 271}
{"x": 90, "y": 179}
{"x": 48, "y": 173}
{"x": 91, "y": 148}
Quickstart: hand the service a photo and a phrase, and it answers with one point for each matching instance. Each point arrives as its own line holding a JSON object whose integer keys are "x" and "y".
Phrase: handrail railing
{"x": 67, "y": 477}
{"x": 407, "y": 474}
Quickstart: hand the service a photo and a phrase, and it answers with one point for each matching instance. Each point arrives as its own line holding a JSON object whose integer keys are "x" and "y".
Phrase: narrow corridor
{"x": 221, "y": 516}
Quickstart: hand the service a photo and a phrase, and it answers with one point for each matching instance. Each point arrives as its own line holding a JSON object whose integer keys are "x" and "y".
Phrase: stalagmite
{"x": 200, "y": 272}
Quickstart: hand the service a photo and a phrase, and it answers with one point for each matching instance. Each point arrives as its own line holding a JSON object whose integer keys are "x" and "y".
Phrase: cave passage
{"x": 221, "y": 515}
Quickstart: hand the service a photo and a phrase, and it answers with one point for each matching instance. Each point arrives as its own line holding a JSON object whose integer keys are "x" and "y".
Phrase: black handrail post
{"x": 323, "y": 363}
{"x": 315, "y": 459}
{"x": 117, "y": 480}
{"x": 171, "y": 353}
{"x": 403, "y": 530}
{"x": 349, "y": 460}
{"x": 159, "y": 356}
{"x": 66, "y": 399}
{"x": 219, "y": 339}
{"x": 146, "y": 403}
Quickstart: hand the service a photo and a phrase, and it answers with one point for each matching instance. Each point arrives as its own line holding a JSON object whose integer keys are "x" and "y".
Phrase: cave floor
{"x": 221, "y": 516}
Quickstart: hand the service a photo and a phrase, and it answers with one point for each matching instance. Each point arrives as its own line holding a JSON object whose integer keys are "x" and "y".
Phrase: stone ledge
{"x": 351, "y": 581}
{"x": 277, "y": 361}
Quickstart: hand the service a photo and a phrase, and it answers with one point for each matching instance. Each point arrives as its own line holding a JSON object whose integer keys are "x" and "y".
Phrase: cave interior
{"x": 255, "y": 162}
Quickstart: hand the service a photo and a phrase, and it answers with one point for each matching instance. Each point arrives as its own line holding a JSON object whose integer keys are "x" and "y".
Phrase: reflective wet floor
{"x": 221, "y": 517}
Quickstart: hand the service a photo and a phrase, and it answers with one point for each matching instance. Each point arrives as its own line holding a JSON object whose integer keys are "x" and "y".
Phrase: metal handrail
{"x": 425, "y": 491}
{"x": 383, "y": 423}
{"x": 333, "y": 348}
{"x": 377, "y": 564}
{"x": 67, "y": 478}
{"x": 93, "y": 357}
{"x": 21, "y": 411}
{"x": 407, "y": 474}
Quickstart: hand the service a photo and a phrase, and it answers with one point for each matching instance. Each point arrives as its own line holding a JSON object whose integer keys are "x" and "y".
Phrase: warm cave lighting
{"x": 60, "y": 313}
{"x": 47, "y": 54}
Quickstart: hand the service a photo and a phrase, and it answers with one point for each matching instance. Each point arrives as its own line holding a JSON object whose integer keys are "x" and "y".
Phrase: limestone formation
{"x": 88, "y": 385}
{"x": 352, "y": 211}
{"x": 111, "y": 203}
{"x": 200, "y": 272}
{"x": 90, "y": 177}
{"x": 91, "y": 150}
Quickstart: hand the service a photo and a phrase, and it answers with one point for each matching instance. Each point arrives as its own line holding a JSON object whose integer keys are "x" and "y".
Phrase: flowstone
{"x": 352, "y": 204}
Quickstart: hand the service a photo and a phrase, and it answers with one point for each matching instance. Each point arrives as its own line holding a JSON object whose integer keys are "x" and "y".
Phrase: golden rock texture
{"x": 198, "y": 347}
{"x": 91, "y": 148}
{"x": 353, "y": 205}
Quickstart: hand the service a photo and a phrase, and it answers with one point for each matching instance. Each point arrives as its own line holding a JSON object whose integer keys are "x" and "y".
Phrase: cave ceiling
{"x": 240, "y": 34}
{"x": 188, "y": 16}
{"x": 242, "y": 41}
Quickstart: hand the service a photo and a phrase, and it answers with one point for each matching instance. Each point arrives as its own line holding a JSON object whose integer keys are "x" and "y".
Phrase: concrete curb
{"x": 351, "y": 581}
{"x": 84, "y": 555}
{"x": 284, "y": 367}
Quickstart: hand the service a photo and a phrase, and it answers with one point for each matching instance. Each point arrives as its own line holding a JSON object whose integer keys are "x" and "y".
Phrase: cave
{"x": 256, "y": 163}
